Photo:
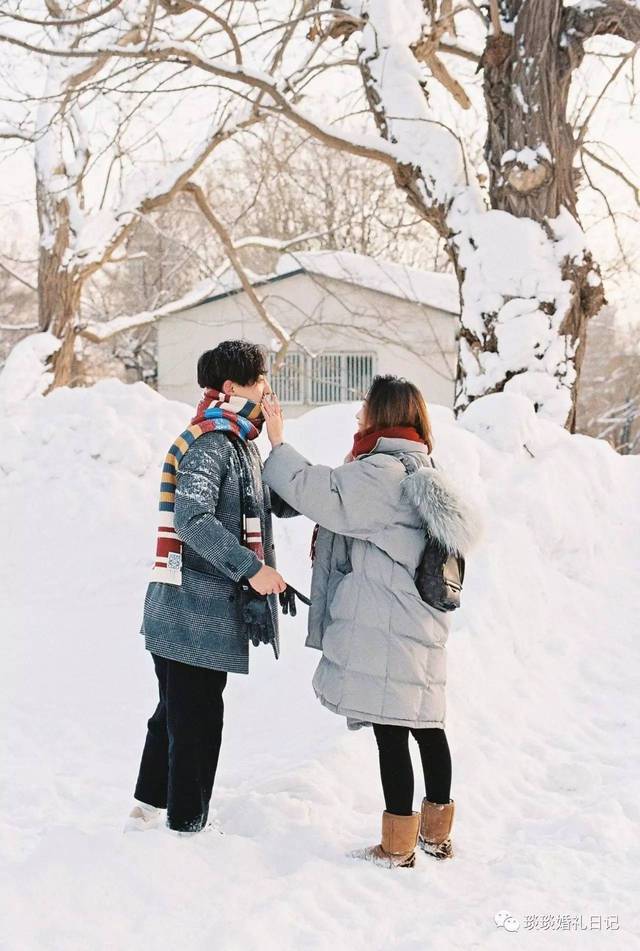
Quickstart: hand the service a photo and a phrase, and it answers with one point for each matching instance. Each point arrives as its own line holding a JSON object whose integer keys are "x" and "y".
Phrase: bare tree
{"x": 528, "y": 281}
{"x": 164, "y": 255}
{"x": 609, "y": 403}
{"x": 89, "y": 189}
{"x": 284, "y": 183}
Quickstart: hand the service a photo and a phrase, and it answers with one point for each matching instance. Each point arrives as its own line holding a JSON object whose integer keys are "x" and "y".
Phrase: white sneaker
{"x": 142, "y": 817}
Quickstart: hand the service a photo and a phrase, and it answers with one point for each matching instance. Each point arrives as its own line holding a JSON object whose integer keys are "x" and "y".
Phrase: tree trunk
{"x": 530, "y": 147}
{"x": 59, "y": 289}
{"x": 59, "y": 285}
{"x": 59, "y": 294}
{"x": 528, "y": 284}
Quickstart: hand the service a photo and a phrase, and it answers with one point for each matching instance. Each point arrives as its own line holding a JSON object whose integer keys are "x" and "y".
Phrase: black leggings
{"x": 396, "y": 771}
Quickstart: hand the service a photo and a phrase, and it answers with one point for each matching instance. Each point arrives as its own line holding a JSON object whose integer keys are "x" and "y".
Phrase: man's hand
{"x": 267, "y": 581}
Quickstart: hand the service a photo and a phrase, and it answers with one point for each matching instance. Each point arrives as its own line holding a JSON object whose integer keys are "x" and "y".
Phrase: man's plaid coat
{"x": 199, "y": 622}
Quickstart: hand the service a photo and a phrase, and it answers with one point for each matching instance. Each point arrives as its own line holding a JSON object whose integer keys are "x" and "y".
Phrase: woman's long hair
{"x": 393, "y": 401}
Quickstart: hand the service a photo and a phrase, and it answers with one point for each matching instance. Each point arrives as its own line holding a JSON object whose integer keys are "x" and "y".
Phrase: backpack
{"x": 440, "y": 574}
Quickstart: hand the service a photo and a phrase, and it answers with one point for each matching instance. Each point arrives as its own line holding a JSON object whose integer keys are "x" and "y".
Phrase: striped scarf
{"x": 241, "y": 419}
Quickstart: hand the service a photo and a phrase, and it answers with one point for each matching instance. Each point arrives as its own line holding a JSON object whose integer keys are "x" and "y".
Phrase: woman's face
{"x": 361, "y": 417}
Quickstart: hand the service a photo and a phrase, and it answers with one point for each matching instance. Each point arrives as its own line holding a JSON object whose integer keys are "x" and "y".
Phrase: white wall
{"x": 409, "y": 339}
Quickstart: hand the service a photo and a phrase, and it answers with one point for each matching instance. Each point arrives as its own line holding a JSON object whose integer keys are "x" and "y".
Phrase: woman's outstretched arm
{"x": 351, "y": 499}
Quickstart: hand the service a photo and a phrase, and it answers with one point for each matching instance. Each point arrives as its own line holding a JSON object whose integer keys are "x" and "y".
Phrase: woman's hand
{"x": 273, "y": 418}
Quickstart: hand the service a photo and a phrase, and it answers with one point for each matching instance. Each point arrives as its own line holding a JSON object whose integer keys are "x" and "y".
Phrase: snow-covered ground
{"x": 543, "y": 707}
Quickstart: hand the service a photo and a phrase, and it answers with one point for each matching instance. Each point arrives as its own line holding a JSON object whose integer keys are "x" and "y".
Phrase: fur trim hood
{"x": 446, "y": 516}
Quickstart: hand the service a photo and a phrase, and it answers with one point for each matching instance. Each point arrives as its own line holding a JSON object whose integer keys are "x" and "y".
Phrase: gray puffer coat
{"x": 383, "y": 648}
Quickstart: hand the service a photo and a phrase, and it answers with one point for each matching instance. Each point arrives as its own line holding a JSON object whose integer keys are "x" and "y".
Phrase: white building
{"x": 350, "y": 317}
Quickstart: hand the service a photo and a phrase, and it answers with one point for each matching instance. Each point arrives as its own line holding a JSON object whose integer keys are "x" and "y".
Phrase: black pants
{"x": 397, "y": 773}
{"x": 180, "y": 755}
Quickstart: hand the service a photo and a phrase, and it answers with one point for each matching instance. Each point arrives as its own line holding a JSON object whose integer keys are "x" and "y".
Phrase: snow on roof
{"x": 436, "y": 290}
{"x": 408, "y": 283}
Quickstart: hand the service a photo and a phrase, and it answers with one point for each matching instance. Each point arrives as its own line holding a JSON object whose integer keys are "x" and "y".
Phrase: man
{"x": 214, "y": 585}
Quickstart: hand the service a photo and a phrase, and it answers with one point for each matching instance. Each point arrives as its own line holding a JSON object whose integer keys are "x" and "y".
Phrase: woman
{"x": 383, "y": 648}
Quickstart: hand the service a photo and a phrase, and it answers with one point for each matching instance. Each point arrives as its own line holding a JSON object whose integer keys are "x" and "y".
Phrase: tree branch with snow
{"x": 590, "y": 18}
{"x": 528, "y": 279}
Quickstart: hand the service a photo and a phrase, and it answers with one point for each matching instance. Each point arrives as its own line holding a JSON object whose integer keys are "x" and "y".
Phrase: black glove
{"x": 256, "y": 615}
{"x": 288, "y": 600}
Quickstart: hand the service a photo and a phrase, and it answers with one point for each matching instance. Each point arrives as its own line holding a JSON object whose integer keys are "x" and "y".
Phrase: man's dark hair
{"x": 237, "y": 360}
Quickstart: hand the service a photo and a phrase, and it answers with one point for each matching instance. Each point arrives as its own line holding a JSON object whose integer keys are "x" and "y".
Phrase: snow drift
{"x": 542, "y": 704}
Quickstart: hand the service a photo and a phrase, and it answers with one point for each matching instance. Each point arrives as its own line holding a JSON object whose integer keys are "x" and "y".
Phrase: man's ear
{"x": 227, "y": 387}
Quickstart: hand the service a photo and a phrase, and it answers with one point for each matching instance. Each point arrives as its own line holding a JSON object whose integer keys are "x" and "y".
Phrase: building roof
{"x": 433, "y": 289}
{"x": 436, "y": 290}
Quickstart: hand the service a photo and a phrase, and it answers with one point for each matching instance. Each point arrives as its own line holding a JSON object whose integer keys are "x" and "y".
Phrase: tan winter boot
{"x": 435, "y": 825}
{"x": 398, "y": 846}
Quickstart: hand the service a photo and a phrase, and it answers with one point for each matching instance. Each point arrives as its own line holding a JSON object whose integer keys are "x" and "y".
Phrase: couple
{"x": 215, "y": 588}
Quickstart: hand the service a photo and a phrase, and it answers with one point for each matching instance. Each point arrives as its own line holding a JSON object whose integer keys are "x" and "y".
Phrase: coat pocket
{"x": 206, "y": 584}
{"x": 340, "y": 593}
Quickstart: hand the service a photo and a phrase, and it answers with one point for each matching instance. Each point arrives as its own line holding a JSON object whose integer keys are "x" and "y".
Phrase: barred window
{"x": 288, "y": 382}
{"x": 329, "y": 377}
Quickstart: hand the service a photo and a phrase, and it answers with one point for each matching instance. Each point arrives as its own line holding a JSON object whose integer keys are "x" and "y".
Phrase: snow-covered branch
{"x": 527, "y": 279}
{"x": 9, "y": 131}
{"x": 98, "y": 332}
{"x": 603, "y": 17}
{"x": 102, "y": 233}
{"x": 96, "y": 235}
{"x": 275, "y": 244}
{"x": 62, "y": 21}
{"x": 189, "y": 53}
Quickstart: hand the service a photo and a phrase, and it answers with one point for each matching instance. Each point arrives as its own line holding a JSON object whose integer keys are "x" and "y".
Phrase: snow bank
{"x": 542, "y": 704}
{"x": 25, "y": 373}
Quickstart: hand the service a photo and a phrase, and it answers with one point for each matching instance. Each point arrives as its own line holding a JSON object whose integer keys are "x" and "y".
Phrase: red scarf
{"x": 365, "y": 441}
